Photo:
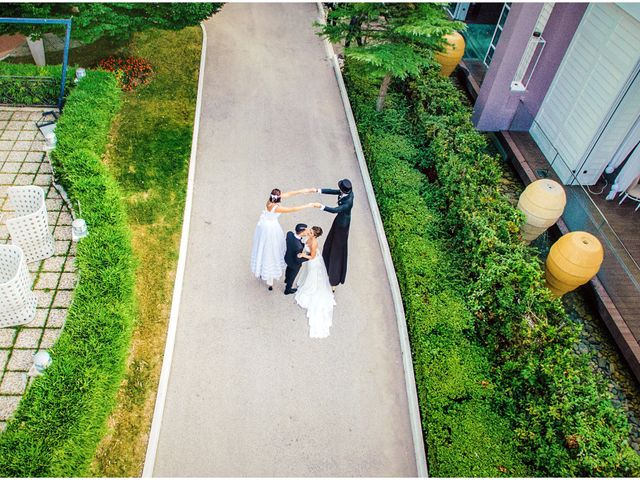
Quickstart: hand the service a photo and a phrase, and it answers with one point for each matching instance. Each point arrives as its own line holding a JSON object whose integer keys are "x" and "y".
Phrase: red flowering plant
{"x": 132, "y": 72}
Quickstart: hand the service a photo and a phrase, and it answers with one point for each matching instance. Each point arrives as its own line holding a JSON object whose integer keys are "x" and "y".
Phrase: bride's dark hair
{"x": 276, "y": 195}
{"x": 317, "y": 231}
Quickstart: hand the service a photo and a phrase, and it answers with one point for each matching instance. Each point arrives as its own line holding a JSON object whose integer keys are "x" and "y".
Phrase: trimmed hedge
{"x": 560, "y": 409}
{"x": 15, "y": 91}
{"x": 62, "y": 416}
{"x": 465, "y": 435}
{"x": 557, "y": 408}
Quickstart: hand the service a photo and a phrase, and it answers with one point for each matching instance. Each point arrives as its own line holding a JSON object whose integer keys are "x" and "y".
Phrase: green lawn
{"x": 149, "y": 155}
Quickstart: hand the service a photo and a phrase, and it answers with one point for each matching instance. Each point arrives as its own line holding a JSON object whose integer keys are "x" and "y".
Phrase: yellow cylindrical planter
{"x": 573, "y": 260}
{"x": 542, "y": 202}
{"x": 453, "y": 52}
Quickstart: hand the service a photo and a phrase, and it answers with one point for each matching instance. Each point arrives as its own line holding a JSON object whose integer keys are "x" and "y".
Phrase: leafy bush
{"x": 560, "y": 410}
{"x": 42, "y": 89}
{"x": 465, "y": 435}
{"x": 62, "y": 416}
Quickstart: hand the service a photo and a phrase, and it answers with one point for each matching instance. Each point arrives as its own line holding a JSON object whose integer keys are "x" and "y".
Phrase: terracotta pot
{"x": 573, "y": 260}
{"x": 542, "y": 202}
{"x": 452, "y": 54}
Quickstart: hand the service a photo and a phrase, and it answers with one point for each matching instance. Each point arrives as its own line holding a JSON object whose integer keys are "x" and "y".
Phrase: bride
{"x": 314, "y": 291}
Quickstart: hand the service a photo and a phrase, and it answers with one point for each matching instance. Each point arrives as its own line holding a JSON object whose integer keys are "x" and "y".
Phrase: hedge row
{"x": 62, "y": 416}
{"x": 15, "y": 90}
{"x": 465, "y": 435}
{"x": 560, "y": 409}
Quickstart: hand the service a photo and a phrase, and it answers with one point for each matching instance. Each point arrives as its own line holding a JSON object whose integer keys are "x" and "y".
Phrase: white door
{"x": 594, "y": 76}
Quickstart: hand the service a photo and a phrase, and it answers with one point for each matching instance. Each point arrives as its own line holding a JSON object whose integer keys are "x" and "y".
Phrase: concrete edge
{"x": 156, "y": 423}
{"x": 405, "y": 346}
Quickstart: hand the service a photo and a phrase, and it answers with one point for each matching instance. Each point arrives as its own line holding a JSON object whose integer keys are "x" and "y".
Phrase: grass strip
{"x": 149, "y": 155}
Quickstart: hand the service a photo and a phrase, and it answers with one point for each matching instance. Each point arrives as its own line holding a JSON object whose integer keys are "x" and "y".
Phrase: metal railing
{"x": 29, "y": 91}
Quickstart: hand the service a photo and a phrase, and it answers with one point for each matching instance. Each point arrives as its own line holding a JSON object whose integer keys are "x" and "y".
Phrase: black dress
{"x": 335, "y": 248}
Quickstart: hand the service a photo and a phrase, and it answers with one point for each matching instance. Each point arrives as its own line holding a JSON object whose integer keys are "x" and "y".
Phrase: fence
{"x": 29, "y": 91}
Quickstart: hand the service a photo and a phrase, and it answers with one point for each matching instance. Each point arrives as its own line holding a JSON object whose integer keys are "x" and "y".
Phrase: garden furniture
{"x": 17, "y": 300}
{"x": 634, "y": 194}
{"x": 30, "y": 227}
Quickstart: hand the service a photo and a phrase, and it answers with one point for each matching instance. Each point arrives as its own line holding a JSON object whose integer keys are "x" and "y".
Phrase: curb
{"x": 156, "y": 423}
{"x": 405, "y": 346}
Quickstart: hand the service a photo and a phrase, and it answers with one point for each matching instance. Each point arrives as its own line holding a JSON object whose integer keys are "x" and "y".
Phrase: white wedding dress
{"x": 269, "y": 246}
{"x": 314, "y": 293}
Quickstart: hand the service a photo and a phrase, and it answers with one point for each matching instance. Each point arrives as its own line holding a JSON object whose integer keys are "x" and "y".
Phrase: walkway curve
{"x": 249, "y": 394}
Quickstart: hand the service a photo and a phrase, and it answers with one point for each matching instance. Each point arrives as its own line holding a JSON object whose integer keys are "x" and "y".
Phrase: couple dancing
{"x": 272, "y": 255}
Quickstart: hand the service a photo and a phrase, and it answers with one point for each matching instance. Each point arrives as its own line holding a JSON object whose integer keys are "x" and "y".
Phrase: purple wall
{"x": 497, "y": 108}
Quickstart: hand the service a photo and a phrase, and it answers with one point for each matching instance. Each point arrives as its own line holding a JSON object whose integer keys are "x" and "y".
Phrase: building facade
{"x": 568, "y": 73}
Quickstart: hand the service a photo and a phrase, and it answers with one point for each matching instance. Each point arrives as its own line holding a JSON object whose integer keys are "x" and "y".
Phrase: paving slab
{"x": 23, "y": 161}
{"x": 250, "y": 394}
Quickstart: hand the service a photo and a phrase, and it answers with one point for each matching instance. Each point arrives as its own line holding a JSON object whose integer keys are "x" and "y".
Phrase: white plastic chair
{"x": 29, "y": 229}
{"x": 634, "y": 194}
{"x": 17, "y": 300}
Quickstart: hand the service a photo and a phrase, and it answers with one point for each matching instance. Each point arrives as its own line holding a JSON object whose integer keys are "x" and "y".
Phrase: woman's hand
{"x": 317, "y": 205}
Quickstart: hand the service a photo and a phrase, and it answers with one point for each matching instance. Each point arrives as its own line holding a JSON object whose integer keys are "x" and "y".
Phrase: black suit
{"x": 336, "y": 245}
{"x": 294, "y": 247}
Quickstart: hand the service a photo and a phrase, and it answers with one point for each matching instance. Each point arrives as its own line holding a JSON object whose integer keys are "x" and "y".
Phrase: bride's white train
{"x": 314, "y": 291}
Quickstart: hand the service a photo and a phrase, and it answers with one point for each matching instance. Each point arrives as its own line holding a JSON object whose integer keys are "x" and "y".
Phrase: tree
{"x": 393, "y": 39}
{"x": 92, "y": 21}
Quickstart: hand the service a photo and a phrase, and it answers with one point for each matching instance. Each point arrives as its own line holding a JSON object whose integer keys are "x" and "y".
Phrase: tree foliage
{"x": 393, "y": 39}
{"x": 92, "y": 21}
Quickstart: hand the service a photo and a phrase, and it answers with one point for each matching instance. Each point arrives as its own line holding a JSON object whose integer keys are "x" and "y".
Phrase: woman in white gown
{"x": 269, "y": 245}
{"x": 314, "y": 290}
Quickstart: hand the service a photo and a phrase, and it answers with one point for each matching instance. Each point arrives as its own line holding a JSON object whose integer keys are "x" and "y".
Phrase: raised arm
{"x": 298, "y": 192}
{"x": 281, "y": 209}
{"x": 328, "y": 191}
{"x": 339, "y": 209}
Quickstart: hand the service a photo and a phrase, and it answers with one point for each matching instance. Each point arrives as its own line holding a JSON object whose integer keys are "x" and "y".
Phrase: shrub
{"x": 465, "y": 435}
{"x": 62, "y": 416}
{"x": 559, "y": 408}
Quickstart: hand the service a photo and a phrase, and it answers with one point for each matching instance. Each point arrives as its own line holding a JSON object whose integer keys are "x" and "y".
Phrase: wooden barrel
{"x": 542, "y": 202}
{"x": 573, "y": 260}
{"x": 452, "y": 54}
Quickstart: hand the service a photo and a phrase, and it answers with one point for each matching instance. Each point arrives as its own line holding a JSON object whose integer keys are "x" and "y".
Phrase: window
{"x": 496, "y": 33}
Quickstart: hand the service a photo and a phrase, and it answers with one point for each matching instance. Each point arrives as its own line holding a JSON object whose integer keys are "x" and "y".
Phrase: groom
{"x": 294, "y": 247}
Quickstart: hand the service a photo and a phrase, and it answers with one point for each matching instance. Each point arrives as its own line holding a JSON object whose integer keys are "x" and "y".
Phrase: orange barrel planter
{"x": 542, "y": 203}
{"x": 453, "y": 52}
{"x": 573, "y": 260}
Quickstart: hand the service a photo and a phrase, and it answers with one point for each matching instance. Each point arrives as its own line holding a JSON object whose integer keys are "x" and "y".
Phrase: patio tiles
{"x": 23, "y": 161}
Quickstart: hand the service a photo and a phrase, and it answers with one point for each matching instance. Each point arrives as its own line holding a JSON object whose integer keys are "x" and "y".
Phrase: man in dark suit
{"x": 294, "y": 247}
{"x": 335, "y": 249}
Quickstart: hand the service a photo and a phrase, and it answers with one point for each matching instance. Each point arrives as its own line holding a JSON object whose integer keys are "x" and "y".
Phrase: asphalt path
{"x": 250, "y": 394}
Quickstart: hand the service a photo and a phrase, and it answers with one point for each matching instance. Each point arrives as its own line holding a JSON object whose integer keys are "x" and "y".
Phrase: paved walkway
{"x": 23, "y": 162}
{"x": 250, "y": 394}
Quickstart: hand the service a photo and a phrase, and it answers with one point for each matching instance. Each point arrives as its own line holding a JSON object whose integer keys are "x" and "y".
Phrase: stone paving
{"x": 23, "y": 161}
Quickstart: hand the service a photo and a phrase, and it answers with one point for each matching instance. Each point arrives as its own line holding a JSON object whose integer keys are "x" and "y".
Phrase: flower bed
{"x": 62, "y": 416}
{"x": 132, "y": 72}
